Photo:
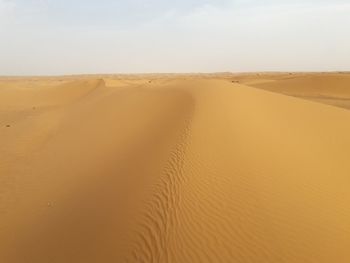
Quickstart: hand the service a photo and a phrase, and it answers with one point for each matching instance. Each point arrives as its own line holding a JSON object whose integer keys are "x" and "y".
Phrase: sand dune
{"x": 330, "y": 89}
{"x": 158, "y": 168}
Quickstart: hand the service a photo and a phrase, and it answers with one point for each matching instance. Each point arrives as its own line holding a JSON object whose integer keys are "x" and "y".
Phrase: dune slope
{"x": 170, "y": 170}
{"x": 332, "y": 89}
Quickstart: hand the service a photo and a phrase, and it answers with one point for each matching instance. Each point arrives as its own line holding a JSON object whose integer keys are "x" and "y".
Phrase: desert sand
{"x": 175, "y": 168}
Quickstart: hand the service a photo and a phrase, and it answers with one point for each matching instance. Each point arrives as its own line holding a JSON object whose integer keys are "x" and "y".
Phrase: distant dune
{"x": 175, "y": 168}
{"x": 330, "y": 89}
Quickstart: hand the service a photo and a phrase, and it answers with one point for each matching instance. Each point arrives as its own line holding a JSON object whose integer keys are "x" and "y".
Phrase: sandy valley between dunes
{"x": 175, "y": 168}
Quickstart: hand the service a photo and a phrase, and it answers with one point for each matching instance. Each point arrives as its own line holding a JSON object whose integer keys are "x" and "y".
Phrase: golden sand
{"x": 175, "y": 168}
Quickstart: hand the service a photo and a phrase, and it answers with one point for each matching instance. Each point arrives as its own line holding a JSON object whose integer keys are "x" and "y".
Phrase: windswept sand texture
{"x": 170, "y": 168}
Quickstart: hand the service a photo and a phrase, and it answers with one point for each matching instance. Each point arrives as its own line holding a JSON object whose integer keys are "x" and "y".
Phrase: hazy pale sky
{"x": 44, "y": 37}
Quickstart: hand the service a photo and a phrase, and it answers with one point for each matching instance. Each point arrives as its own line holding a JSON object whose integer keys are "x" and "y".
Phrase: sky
{"x": 57, "y": 37}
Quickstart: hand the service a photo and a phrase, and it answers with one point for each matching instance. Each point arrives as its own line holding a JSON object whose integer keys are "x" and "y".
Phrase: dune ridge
{"x": 189, "y": 169}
